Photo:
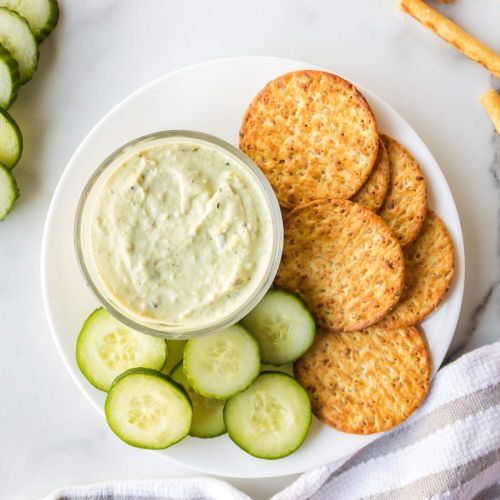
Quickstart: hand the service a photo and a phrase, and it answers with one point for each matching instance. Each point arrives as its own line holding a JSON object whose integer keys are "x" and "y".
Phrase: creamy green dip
{"x": 181, "y": 234}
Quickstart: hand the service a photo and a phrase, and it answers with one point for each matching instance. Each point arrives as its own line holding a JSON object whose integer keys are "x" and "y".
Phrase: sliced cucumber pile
{"x": 208, "y": 414}
{"x": 17, "y": 38}
{"x": 23, "y": 23}
{"x": 175, "y": 354}
{"x": 271, "y": 418}
{"x": 9, "y": 78}
{"x": 8, "y": 192}
{"x": 106, "y": 348}
{"x": 11, "y": 140}
{"x": 222, "y": 364}
{"x": 217, "y": 385}
{"x": 41, "y": 15}
{"x": 147, "y": 409}
{"x": 282, "y": 325}
{"x": 11, "y": 147}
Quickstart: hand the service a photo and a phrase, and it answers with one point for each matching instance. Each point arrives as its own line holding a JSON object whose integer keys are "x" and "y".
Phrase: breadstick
{"x": 491, "y": 103}
{"x": 452, "y": 34}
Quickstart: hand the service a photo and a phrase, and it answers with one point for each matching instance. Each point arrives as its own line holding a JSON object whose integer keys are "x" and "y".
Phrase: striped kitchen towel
{"x": 448, "y": 449}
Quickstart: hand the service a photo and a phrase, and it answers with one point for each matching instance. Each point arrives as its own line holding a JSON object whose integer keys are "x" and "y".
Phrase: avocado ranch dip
{"x": 180, "y": 234}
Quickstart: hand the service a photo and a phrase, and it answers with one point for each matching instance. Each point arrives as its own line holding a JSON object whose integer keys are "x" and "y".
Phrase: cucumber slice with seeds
{"x": 175, "y": 353}
{"x": 106, "y": 348}
{"x": 41, "y": 15}
{"x": 282, "y": 325}
{"x": 17, "y": 38}
{"x": 222, "y": 364}
{"x": 147, "y": 409}
{"x": 11, "y": 140}
{"x": 271, "y": 418}
{"x": 9, "y": 192}
{"x": 208, "y": 414}
{"x": 9, "y": 78}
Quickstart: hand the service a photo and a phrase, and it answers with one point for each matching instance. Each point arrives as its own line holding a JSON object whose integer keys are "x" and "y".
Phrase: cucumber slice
{"x": 208, "y": 414}
{"x": 271, "y": 418}
{"x": 106, "y": 348}
{"x": 282, "y": 325}
{"x": 11, "y": 140}
{"x": 222, "y": 364}
{"x": 9, "y": 192}
{"x": 17, "y": 38}
{"x": 147, "y": 409}
{"x": 9, "y": 78}
{"x": 175, "y": 353}
{"x": 42, "y": 15}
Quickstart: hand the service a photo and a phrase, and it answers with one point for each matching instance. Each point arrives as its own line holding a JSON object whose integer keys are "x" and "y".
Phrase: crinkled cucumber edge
{"x": 14, "y": 192}
{"x": 17, "y": 132}
{"x": 50, "y": 23}
{"x": 81, "y": 337}
{"x": 13, "y": 69}
{"x": 34, "y": 63}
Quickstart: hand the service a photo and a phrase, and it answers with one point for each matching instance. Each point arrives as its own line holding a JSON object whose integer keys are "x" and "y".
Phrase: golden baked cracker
{"x": 313, "y": 135}
{"x": 372, "y": 193}
{"x": 405, "y": 204}
{"x": 368, "y": 381}
{"x": 429, "y": 270}
{"x": 343, "y": 261}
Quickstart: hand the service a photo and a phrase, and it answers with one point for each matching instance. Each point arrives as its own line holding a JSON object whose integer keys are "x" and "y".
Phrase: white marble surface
{"x": 104, "y": 49}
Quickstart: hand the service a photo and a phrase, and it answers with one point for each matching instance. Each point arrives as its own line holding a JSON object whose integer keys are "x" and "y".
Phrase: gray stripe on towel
{"x": 440, "y": 417}
{"x": 491, "y": 493}
{"x": 441, "y": 482}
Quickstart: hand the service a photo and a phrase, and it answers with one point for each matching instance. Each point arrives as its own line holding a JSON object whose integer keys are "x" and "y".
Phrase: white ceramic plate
{"x": 211, "y": 97}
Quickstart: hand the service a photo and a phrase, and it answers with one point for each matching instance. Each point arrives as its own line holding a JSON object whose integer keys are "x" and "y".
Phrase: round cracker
{"x": 405, "y": 205}
{"x": 372, "y": 193}
{"x": 313, "y": 135}
{"x": 368, "y": 381}
{"x": 429, "y": 271}
{"x": 343, "y": 261}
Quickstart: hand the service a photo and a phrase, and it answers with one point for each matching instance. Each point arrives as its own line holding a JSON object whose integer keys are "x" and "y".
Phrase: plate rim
{"x": 459, "y": 284}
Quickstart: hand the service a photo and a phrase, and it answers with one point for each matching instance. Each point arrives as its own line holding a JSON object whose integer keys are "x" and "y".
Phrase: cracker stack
{"x": 361, "y": 247}
{"x": 313, "y": 135}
